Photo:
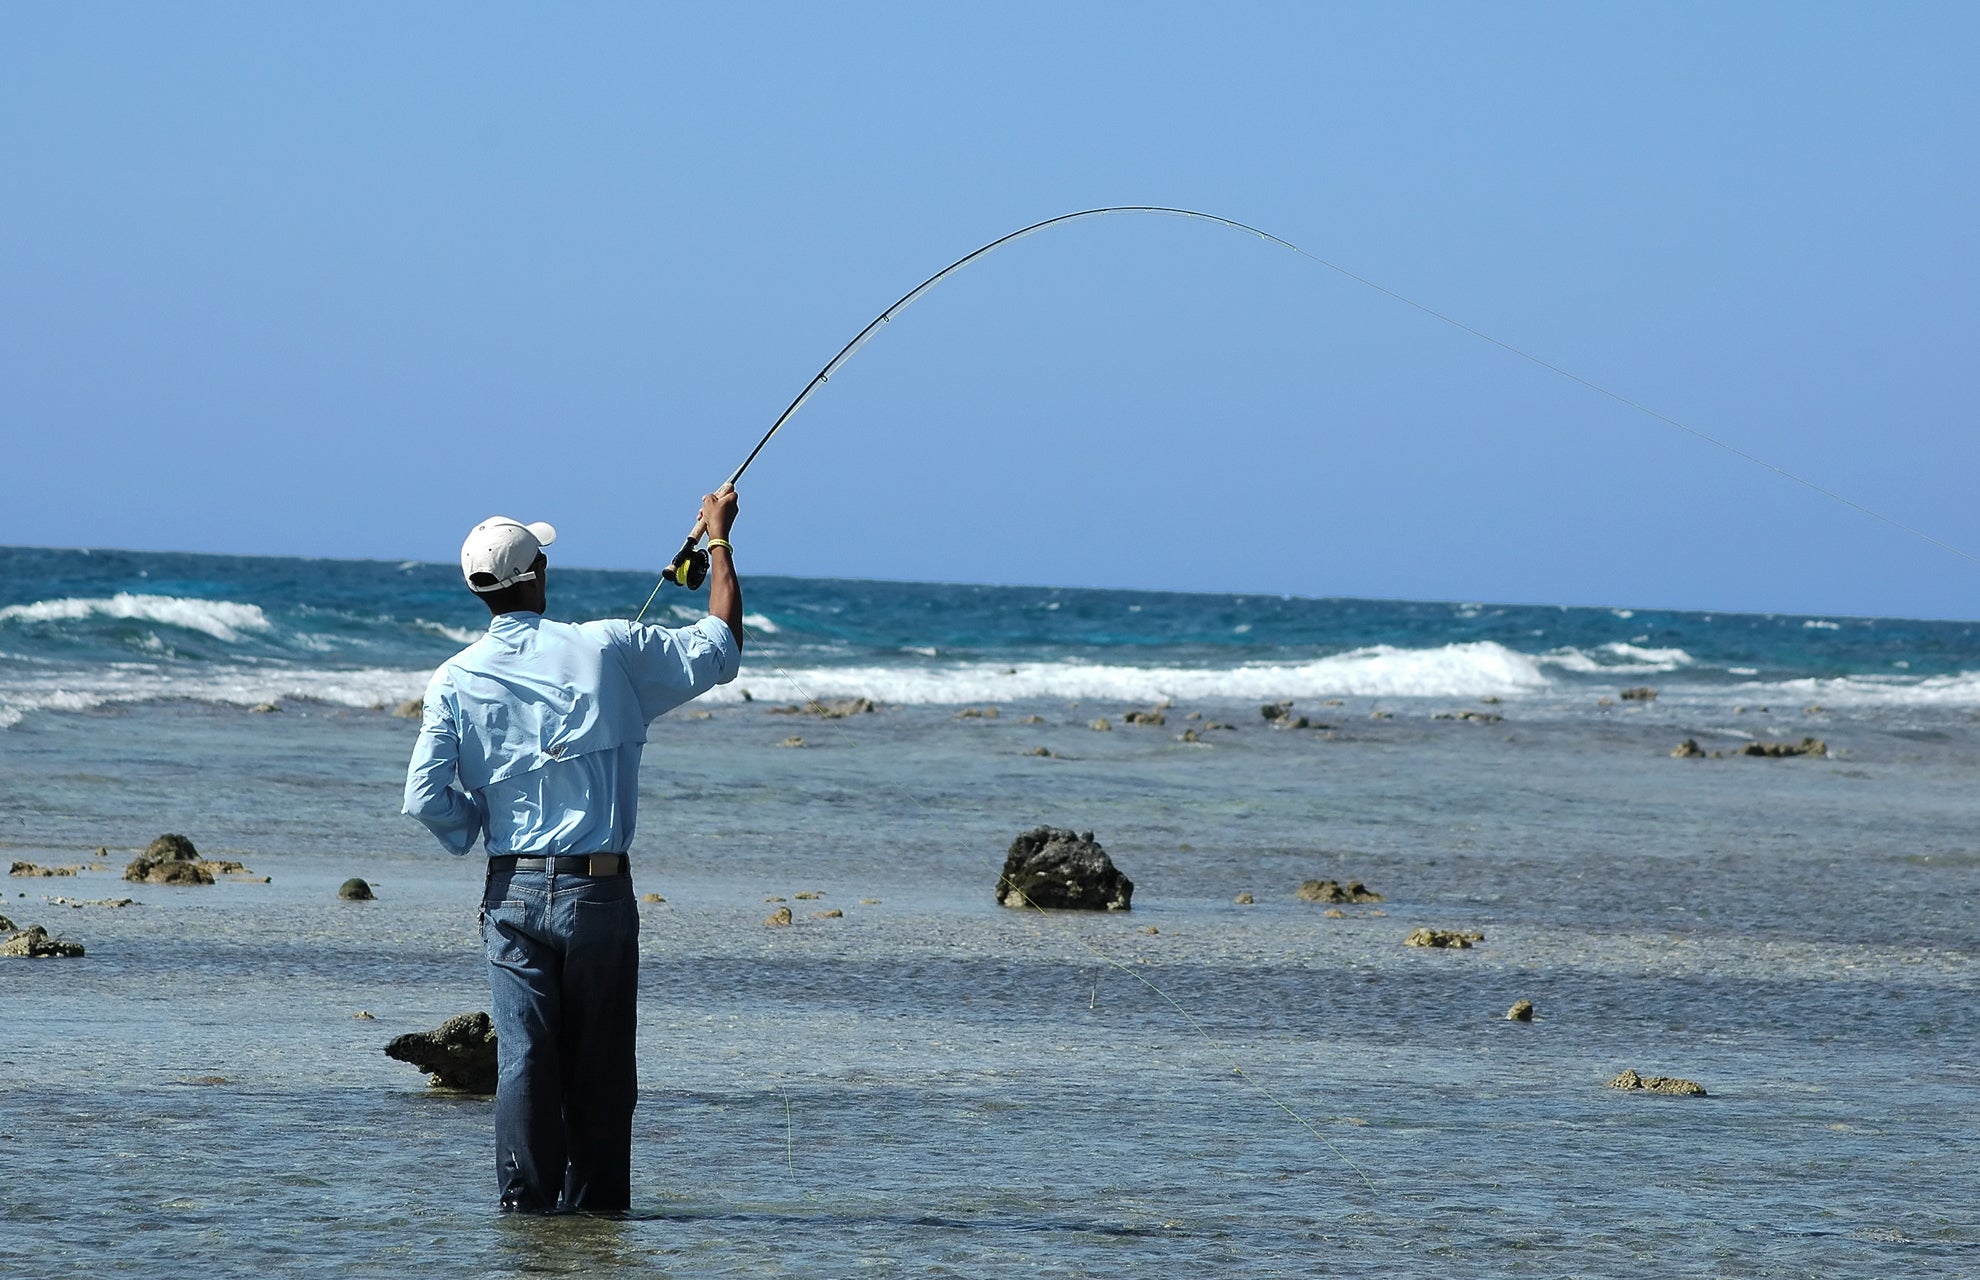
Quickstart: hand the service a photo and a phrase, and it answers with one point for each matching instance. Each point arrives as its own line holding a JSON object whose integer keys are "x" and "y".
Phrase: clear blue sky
{"x": 342, "y": 279}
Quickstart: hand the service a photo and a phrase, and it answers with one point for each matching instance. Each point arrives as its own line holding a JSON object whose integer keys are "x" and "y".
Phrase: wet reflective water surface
{"x": 935, "y": 1085}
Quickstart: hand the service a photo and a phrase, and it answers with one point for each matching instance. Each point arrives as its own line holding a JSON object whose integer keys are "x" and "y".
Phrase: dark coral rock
{"x": 1659, "y": 1084}
{"x": 458, "y": 1054}
{"x": 1442, "y": 938}
{"x": 171, "y": 848}
{"x": 1050, "y": 867}
{"x": 1780, "y": 750}
{"x": 34, "y": 943}
{"x": 1333, "y": 891}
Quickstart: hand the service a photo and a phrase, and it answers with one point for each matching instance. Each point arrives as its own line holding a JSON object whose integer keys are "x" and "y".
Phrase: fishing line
{"x": 790, "y": 1163}
{"x": 689, "y": 567}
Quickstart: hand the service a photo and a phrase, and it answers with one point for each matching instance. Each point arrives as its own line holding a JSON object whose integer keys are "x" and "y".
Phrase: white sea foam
{"x": 1457, "y": 670}
{"x": 1817, "y": 624}
{"x": 1962, "y": 690}
{"x": 760, "y": 624}
{"x": 459, "y": 635}
{"x": 1668, "y": 658}
{"x": 1452, "y": 671}
{"x": 1616, "y": 659}
{"x": 221, "y": 619}
{"x": 244, "y": 686}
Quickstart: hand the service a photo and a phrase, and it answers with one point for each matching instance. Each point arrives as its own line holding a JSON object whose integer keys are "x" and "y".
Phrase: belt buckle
{"x": 603, "y": 864}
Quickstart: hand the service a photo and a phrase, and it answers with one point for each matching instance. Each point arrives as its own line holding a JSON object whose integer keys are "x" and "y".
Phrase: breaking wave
{"x": 1954, "y": 691}
{"x": 222, "y": 619}
{"x": 1617, "y": 659}
{"x": 240, "y": 686}
{"x": 1455, "y": 670}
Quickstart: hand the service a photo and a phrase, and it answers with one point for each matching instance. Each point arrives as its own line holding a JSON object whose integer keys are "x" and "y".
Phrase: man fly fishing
{"x": 530, "y": 741}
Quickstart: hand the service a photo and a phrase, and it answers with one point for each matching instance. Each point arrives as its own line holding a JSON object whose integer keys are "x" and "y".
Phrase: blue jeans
{"x": 563, "y": 968}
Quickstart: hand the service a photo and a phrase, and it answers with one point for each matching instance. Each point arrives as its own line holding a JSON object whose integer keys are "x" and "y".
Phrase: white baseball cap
{"x": 499, "y": 552}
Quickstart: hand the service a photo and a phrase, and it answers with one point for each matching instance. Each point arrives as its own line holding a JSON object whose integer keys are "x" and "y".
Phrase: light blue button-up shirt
{"x": 531, "y": 736}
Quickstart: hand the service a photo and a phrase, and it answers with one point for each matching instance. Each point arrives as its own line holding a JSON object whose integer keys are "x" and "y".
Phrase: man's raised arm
{"x": 718, "y": 515}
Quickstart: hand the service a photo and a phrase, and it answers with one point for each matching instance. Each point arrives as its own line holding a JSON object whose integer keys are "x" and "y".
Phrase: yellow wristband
{"x": 720, "y": 542}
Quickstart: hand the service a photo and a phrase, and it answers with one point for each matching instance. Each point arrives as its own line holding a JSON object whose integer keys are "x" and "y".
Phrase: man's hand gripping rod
{"x": 690, "y": 564}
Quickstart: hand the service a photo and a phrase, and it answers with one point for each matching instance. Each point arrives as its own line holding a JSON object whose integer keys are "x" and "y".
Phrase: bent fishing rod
{"x": 689, "y": 567}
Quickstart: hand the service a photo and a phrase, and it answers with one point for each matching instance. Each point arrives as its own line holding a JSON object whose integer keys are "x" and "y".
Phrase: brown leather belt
{"x": 576, "y": 864}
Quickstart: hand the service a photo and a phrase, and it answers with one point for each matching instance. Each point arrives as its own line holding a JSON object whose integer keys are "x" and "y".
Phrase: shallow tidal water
{"x": 935, "y": 1085}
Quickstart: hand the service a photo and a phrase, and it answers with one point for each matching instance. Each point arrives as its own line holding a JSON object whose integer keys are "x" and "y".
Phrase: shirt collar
{"x": 513, "y": 626}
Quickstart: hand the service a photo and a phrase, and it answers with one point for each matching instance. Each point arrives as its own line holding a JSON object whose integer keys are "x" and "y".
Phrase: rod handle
{"x": 689, "y": 567}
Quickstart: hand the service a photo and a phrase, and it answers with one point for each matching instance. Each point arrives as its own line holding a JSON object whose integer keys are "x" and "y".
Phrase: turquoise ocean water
{"x": 931, "y": 1084}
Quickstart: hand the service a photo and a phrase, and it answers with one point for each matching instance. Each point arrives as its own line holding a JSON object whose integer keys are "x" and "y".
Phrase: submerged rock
{"x": 1659, "y": 1084}
{"x": 457, "y": 1054}
{"x": 1641, "y": 693}
{"x": 1522, "y": 1011}
{"x": 1053, "y": 868}
{"x": 977, "y": 713}
{"x": 1688, "y": 750}
{"x": 837, "y": 709}
{"x": 6, "y": 925}
{"x": 1101, "y": 726}
{"x": 1441, "y": 938}
{"x": 1275, "y": 710}
{"x": 33, "y": 943}
{"x": 1332, "y": 891}
{"x": 1244, "y": 900}
{"x": 145, "y": 871}
{"x": 32, "y": 869}
{"x": 1143, "y": 717}
{"x": 410, "y": 709}
{"x": 355, "y": 890}
{"x": 779, "y": 918}
{"x": 170, "y": 859}
{"x": 1778, "y": 750}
